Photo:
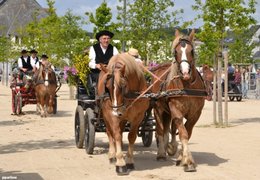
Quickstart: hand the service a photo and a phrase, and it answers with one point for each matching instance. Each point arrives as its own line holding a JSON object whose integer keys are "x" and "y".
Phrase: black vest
{"x": 102, "y": 58}
{"x": 27, "y": 64}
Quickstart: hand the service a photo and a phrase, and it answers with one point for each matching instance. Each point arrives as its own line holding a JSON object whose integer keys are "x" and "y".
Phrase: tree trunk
{"x": 220, "y": 113}
{"x": 215, "y": 91}
{"x": 226, "y": 88}
{"x": 72, "y": 92}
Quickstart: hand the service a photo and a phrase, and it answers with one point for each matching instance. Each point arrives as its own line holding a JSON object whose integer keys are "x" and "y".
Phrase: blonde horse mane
{"x": 131, "y": 66}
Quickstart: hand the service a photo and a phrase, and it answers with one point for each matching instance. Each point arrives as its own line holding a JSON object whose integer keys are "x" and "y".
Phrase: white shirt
{"x": 20, "y": 63}
{"x": 33, "y": 61}
{"x": 92, "y": 55}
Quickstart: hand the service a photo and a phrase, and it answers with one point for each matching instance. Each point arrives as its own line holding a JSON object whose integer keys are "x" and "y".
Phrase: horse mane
{"x": 40, "y": 77}
{"x": 131, "y": 66}
{"x": 164, "y": 65}
{"x": 173, "y": 71}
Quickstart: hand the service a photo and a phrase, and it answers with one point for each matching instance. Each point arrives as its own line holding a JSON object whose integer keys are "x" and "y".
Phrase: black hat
{"x": 33, "y": 51}
{"x": 44, "y": 56}
{"x": 24, "y": 51}
{"x": 104, "y": 32}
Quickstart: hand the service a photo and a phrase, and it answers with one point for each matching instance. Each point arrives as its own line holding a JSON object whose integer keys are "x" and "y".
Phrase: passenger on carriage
{"x": 99, "y": 53}
{"x": 44, "y": 60}
{"x": 25, "y": 64}
{"x": 134, "y": 52}
{"x": 34, "y": 58}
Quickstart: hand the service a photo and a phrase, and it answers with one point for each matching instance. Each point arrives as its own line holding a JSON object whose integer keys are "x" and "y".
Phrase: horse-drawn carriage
{"x": 177, "y": 91}
{"x": 234, "y": 89}
{"x": 23, "y": 91}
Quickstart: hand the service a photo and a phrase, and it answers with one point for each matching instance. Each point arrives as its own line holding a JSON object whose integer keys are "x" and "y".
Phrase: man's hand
{"x": 98, "y": 66}
{"x": 24, "y": 69}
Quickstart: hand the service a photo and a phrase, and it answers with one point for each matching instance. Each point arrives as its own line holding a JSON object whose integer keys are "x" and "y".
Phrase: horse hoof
{"x": 159, "y": 158}
{"x": 178, "y": 162}
{"x": 190, "y": 168}
{"x": 112, "y": 160}
{"x": 130, "y": 166}
{"x": 121, "y": 170}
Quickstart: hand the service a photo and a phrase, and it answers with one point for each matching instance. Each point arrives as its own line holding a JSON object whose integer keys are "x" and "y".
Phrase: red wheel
{"x": 13, "y": 102}
{"x": 18, "y": 103}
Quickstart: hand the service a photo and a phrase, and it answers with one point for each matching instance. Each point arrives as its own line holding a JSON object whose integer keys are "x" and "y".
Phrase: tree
{"x": 218, "y": 16}
{"x": 145, "y": 21}
{"x": 5, "y": 49}
{"x": 102, "y": 19}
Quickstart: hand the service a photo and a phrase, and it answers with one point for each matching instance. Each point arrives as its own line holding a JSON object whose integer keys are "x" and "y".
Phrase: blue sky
{"x": 79, "y": 7}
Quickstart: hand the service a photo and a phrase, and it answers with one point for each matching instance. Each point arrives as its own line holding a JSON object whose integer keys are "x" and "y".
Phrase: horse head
{"x": 117, "y": 88}
{"x": 46, "y": 73}
{"x": 183, "y": 50}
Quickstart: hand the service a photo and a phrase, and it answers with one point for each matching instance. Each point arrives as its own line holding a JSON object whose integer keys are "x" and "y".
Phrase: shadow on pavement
{"x": 34, "y": 145}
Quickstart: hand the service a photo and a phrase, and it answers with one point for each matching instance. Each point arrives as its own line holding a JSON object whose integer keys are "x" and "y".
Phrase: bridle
{"x": 183, "y": 42}
{"x": 112, "y": 85}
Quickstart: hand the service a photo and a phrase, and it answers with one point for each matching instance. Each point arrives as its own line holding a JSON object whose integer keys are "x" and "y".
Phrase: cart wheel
{"x": 90, "y": 132}
{"x": 55, "y": 105}
{"x": 79, "y": 127}
{"x": 147, "y": 134}
{"x": 13, "y": 103}
{"x": 231, "y": 98}
{"x": 18, "y": 103}
{"x": 239, "y": 98}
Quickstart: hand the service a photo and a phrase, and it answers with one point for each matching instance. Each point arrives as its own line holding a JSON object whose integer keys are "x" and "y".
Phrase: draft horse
{"x": 208, "y": 75}
{"x": 123, "y": 81}
{"x": 45, "y": 89}
{"x": 182, "y": 96}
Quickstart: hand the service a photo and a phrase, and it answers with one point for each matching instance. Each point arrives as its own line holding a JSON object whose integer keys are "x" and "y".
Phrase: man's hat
{"x": 24, "y": 51}
{"x": 33, "y": 51}
{"x": 104, "y": 32}
{"x": 133, "y": 52}
{"x": 44, "y": 56}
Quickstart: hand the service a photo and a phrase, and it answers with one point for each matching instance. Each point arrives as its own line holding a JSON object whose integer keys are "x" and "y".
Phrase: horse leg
{"x": 50, "y": 104}
{"x": 112, "y": 148}
{"x": 185, "y": 157}
{"x": 173, "y": 145}
{"x": 42, "y": 109}
{"x": 161, "y": 153}
{"x": 121, "y": 168}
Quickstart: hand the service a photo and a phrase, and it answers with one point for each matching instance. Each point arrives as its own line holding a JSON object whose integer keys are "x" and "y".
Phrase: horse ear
{"x": 123, "y": 70}
{"x": 192, "y": 34}
{"x": 177, "y": 33}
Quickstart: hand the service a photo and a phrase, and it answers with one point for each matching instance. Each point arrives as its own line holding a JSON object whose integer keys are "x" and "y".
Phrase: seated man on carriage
{"x": 99, "y": 53}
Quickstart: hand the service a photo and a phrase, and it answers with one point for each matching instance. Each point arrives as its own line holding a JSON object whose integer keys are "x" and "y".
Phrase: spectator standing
{"x": 237, "y": 79}
{"x": 257, "y": 78}
{"x": 244, "y": 82}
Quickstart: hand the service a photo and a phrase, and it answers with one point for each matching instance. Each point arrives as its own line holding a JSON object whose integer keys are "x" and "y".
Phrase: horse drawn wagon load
{"x": 177, "y": 91}
{"x": 28, "y": 88}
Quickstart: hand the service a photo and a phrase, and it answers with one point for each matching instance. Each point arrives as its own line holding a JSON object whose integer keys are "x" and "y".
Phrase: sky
{"x": 79, "y": 7}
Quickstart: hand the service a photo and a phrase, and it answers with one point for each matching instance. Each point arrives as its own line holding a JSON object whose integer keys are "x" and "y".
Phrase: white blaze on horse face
{"x": 114, "y": 112}
{"x": 46, "y": 80}
{"x": 184, "y": 65}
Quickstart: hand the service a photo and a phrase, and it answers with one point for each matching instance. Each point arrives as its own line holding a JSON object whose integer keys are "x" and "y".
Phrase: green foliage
{"x": 59, "y": 37}
{"x": 80, "y": 62}
{"x": 102, "y": 19}
{"x": 145, "y": 22}
{"x": 218, "y": 16}
{"x": 5, "y": 49}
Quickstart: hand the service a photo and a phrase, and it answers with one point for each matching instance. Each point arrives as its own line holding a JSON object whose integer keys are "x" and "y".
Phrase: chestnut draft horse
{"x": 45, "y": 89}
{"x": 182, "y": 96}
{"x": 208, "y": 79}
{"x": 123, "y": 81}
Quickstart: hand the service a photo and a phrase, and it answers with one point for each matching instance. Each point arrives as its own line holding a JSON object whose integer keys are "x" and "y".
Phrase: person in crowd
{"x": 237, "y": 79}
{"x": 257, "y": 78}
{"x": 99, "y": 53}
{"x": 244, "y": 82}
